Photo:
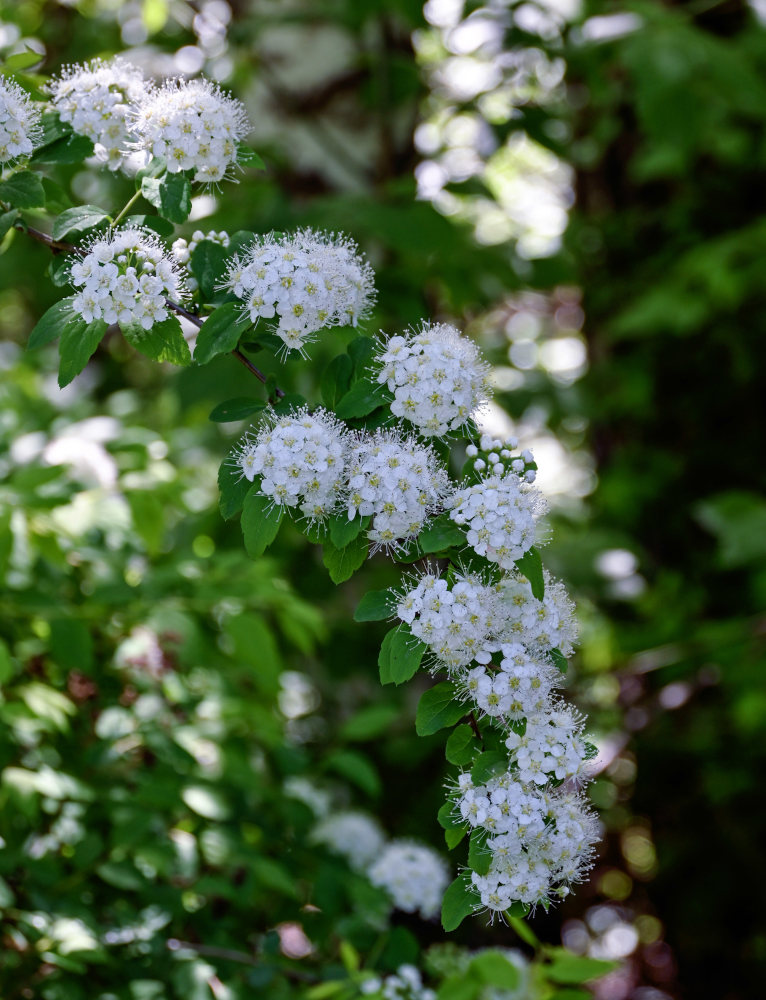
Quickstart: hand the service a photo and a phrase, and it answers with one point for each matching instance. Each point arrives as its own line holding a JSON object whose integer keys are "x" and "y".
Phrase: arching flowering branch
{"x": 367, "y": 471}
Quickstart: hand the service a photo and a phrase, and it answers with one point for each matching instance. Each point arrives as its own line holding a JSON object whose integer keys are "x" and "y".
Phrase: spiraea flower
{"x": 398, "y": 481}
{"x": 304, "y": 282}
{"x": 183, "y": 249}
{"x": 95, "y": 99}
{"x": 414, "y": 876}
{"x": 500, "y": 514}
{"x": 353, "y": 835}
{"x": 539, "y": 625}
{"x": 125, "y": 277}
{"x": 20, "y": 129}
{"x": 301, "y": 458}
{"x": 192, "y": 125}
{"x": 458, "y": 623}
{"x": 437, "y": 376}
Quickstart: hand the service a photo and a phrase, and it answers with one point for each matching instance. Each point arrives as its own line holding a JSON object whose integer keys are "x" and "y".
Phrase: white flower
{"x": 438, "y": 378}
{"x": 353, "y": 835}
{"x": 457, "y": 623}
{"x": 125, "y": 277}
{"x": 301, "y": 458}
{"x": 500, "y": 515}
{"x": 192, "y": 125}
{"x": 307, "y": 281}
{"x": 20, "y": 129}
{"x": 95, "y": 99}
{"x": 414, "y": 876}
{"x": 397, "y": 480}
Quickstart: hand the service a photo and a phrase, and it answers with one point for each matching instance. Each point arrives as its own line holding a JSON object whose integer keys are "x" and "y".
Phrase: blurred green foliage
{"x": 129, "y": 802}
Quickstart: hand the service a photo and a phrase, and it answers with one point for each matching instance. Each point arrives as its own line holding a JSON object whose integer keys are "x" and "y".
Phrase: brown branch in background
{"x": 60, "y": 246}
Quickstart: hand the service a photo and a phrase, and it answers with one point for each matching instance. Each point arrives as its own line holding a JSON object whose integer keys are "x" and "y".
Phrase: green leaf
{"x": 479, "y": 855}
{"x": 440, "y": 535}
{"x": 220, "y": 332}
{"x": 360, "y": 350}
{"x": 514, "y": 915}
{"x": 448, "y": 816}
{"x": 343, "y": 531}
{"x": 457, "y": 904}
{"x": 531, "y": 565}
{"x": 488, "y": 764}
{"x": 51, "y": 323}
{"x": 362, "y": 398}
{"x": 233, "y": 486}
{"x": 69, "y": 149}
{"x": 375, "y": 606}
{"x": 438, "y": 707}
{"x": 236, "y": 409}
{"x": 261, "y": 518}
{"x": 568, "y": 968}
{"x": 170, "y": 195}
{"x": 78, "y": 220}
{"x": 460, "y": 987}
{"x": 495, "y": 969}
{"x": 23, "y": 190}
{"x": 21, "y": 60}
{"x": 7, "y": 221}
{"x": 208, "y": 265}
{"x": 343, "y": 563}
{"x": 336, "y": 380}
{"x": 247, "y": 157}
{"x": 356, "y": 768}
{"x": 455, "y": 835}
{"x": 559, "y": 660}
{"x": 163, "y": 342}
{"x": 461, "y": 746}
{"x": 77, "y": 345}
{"x": 400, "y": 655}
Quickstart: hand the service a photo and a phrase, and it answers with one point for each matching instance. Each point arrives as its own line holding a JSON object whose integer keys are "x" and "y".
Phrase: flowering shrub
{"x": 369, "y": 470}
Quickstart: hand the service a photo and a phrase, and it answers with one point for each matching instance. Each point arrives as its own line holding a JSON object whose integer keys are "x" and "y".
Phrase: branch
{"x": 61, "y": 246}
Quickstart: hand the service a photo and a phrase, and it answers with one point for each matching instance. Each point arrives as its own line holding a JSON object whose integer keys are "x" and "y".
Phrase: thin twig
{"x": 61, "y": 246}
{"x": 475, "y": 726}
{"x": 232, "y": 955}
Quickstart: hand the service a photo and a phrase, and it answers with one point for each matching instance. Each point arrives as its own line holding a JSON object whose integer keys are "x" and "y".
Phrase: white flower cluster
{"x": 183, "y": 249}
{"x": 192, "y": 125}
{"x": 398, "y": 481}
{"x": 301, "y": 458}
{"x": 95, "y": 99}
{"x": 306, "y": 281}
{"x": 539, "y": 625}
{"x": 438, "y": 378}
{"x": 353, "y": 835}
{"x": 458, "y": 623}
{"x": 20, "y": 129}
{"x": 540, "y": 839}
{"x": 520, "y": 688}
{"x": 413, "y": 875}
{"x": 499, "y": 458}
{"x": 125, "y": 277}
{"x": 500, "y": 514}
{"x": 406, "y": 984}
{"x": 550, "y": 747}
